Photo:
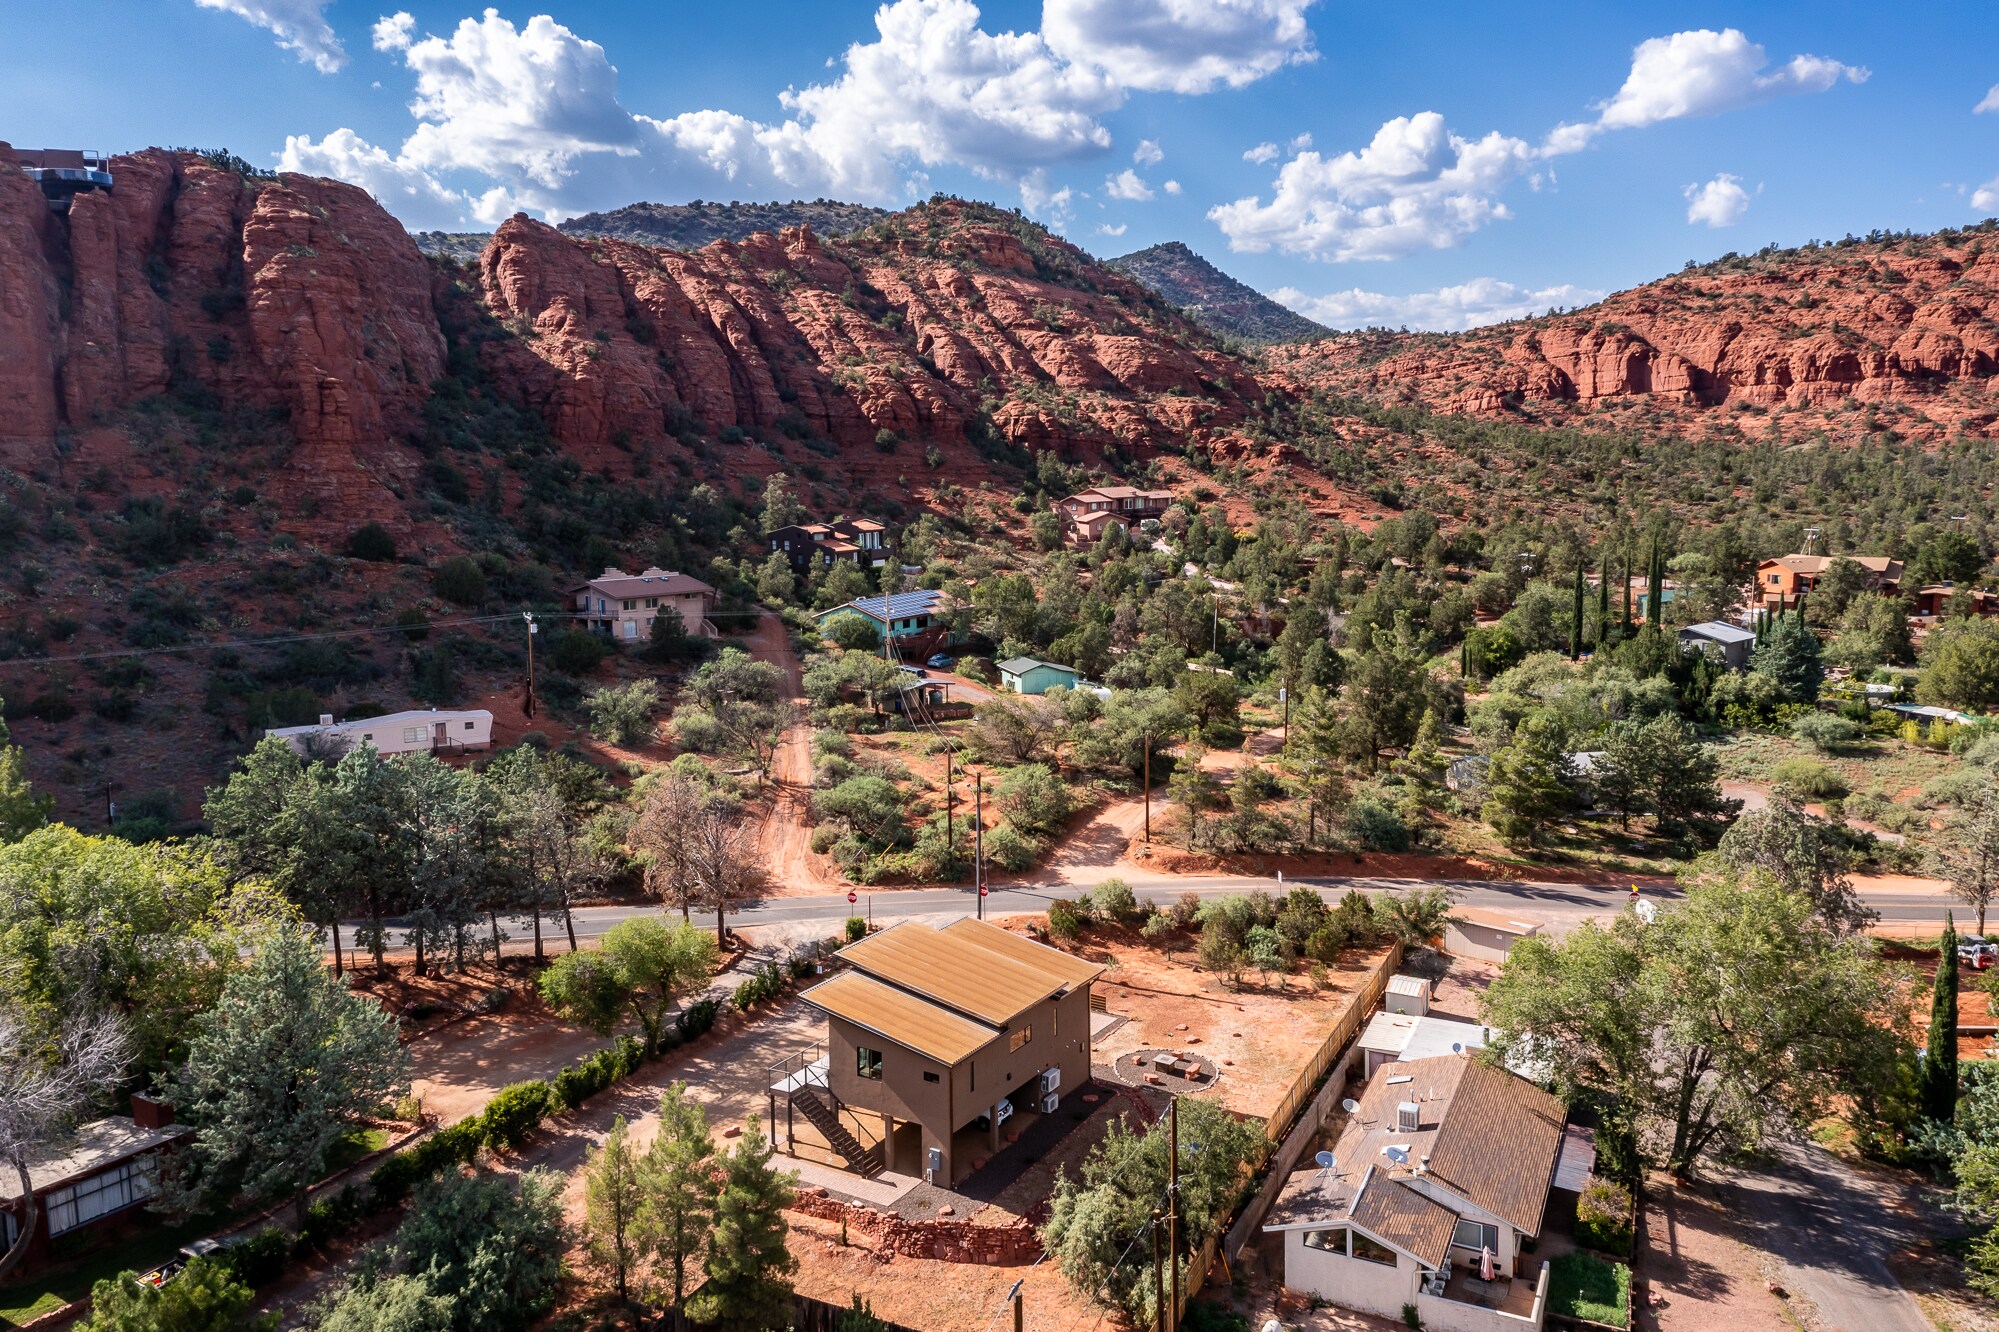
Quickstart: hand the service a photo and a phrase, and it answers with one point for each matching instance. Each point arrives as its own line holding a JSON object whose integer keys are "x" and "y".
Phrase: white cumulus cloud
{"x": 1417, "y": 186}
{"x": 1183, "y": 46}
{"x": 1171, "y": 187}
{"x": 1701, "y": 72}
{"x": 1108, "y": 230}
{"x": 1986, "y": 197}
{"x": 1127, "y": 186}
{"x": 1990, "y": 102}
{"x": 394, "y": 32}
{"x": 1148, "y": 153}
{"x": 1448, "y": 309}
{"x": 410, "y": 192}
{"x": 1721, "y": 202}
{"x": 299, "y": 25}
{"x": 1263, "y": 152}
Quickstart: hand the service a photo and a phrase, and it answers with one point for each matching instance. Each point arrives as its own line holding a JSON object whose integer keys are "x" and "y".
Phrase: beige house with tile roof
{"x": 1447, "y": 1159}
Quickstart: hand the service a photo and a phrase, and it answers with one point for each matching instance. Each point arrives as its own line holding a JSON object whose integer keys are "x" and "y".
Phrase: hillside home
{"x": 107, "y": 1168}
{"x": 1025, "y": 675}
{"x": 861, "y": 541}
{"x": 1445, "y": 1164}
{"x": 1780, "y": 582}
{"x": 624, "y": 605}
{"x": 1731, "y": 642}
{"x": 419, "y": 731}
{"x": 937, "y": 1038}
{"x": 1937, "y": 600}
{"x": 1086, "y": 513}
{"x": 64, "y": 173}
{"x": 912, "y": 620}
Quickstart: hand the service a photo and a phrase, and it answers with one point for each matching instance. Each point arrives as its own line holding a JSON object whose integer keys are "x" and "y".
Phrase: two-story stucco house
{"x": 1446, "y": 1165}
{"x": 1087, "y": 513}
{"x": 624, "y": 605}
{"x": 938, "y": 1042}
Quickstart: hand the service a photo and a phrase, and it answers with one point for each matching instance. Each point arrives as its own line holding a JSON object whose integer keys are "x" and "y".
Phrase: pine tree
{"x": 614, "y": 1199}
{"x": 1938, "y": 1085}
{"x": 1790, "y": 654}
{"x": 748, "y": 1286}
{"x": 1526, "y": 788}
{"x": 679, "y": 1186}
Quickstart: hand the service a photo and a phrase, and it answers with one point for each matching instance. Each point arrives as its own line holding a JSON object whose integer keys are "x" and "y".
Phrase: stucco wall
{"x": 1352, "y": 1283}
{"x": 1480, "y": 941}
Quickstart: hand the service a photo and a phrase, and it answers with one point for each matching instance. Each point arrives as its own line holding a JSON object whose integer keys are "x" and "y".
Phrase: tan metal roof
{"x": 976, "y": 968}
{"x": 900, "y": 1017}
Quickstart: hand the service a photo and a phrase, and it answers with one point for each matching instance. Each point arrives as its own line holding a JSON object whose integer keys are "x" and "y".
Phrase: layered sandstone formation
{"x": 1805, "y": 335}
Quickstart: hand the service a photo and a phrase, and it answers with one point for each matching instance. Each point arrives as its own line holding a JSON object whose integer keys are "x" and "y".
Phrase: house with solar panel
{"x": 941, "y": 1044}
{"x": 914, "y": 622}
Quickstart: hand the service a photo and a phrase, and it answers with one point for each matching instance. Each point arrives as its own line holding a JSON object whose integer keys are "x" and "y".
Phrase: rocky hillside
{"x": 692, "y": 225}
{"x": 460, "y": 247}
{"x": 1217, "y": 300}
{"x": 1840, "y": 340}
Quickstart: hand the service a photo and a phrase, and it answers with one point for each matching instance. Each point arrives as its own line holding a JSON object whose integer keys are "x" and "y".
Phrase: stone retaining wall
{"x": 945, "y": 1240}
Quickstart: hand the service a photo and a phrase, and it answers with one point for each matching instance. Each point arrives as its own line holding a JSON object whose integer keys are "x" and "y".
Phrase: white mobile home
{"x": 420, "y": 731}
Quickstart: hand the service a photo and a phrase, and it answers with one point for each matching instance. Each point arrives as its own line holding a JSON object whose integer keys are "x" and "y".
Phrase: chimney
{"x": 148, "y": 1113}
{"x": 1408, "y": 1117}
{"x": 326, "y": 719}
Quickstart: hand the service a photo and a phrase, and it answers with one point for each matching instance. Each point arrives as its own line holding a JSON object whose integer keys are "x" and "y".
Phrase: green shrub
{"x": 515, "y": 1112}
{"x": 768, "y": 983}
{"x": 857, "y": 928}
{"x": 1825, "y": 732}
{"x": 1373, "y": 826}
{"x": 823, "y": 838}
{"x": 1115, "y": 901}
{"x": 260, "y": 1259}
{"x": 327, "y": 1218}
{"x": 1603, "y": 1217}
{"x": 1809, "y": 778}
{"x": 1009, "y": 849}
{"x": 1064, "y": 921}
{"x": 395, "y": 1177}
{"x": 460, "y": 579}
{"x": 578, "y": 651}
{"x": 697, "y": 1019}
{"x": 372, "y": 542}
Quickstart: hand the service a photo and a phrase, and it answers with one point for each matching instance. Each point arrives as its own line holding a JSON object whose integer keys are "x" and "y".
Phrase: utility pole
{"x": 533, "y": 629}
{"x": 950, "y": 808}
{"x": 1019, "y": 1309}
{"x": 1158, "y": 1276}
{"x": 1146, "y": 744}
{"x": 1173, "y": 1208}
{"x": 979, "y": 839}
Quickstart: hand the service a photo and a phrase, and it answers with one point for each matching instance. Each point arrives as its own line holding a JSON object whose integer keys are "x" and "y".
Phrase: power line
{"x": 277, "y": 641}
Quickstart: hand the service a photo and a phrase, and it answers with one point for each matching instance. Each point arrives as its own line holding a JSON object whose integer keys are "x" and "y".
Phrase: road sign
{"x": 852, "y": 897}
{"x": 983, "y": 890}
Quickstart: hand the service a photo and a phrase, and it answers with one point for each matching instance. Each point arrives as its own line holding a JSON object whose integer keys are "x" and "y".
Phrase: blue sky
{"x": 1422, "y": 164}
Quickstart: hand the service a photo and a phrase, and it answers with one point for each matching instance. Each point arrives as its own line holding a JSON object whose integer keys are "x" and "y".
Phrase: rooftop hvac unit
{"x": 1408, "y": 1117}
{"x": 1051, "y": 1080}
{"x": 1050, "y": 1103}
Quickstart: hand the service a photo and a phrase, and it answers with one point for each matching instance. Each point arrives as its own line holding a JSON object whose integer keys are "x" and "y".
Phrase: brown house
{"x": 1087, "y": 513}
{"x": 939, "y": 1042}
{"x": 862, "y": 541}
{"x": 1780, "y": 582}
{"x": 108, "y": 1168}
{"x": 1934, "y": 602}
{"x": 624, "y": 605}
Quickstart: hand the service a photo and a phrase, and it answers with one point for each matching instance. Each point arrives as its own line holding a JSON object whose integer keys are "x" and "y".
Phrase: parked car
{"x": 940, "y": 662}
{"x": 1979, "y": 952}
{"x": 1005, "y": 1113}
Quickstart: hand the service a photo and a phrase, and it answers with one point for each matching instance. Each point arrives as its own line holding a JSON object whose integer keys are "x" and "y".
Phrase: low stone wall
{"x": 945, "y": 1240}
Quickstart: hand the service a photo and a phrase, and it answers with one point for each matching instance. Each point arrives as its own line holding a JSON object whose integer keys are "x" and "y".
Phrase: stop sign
{"x": 983, "y": 890}
{"x": 853, "y": 896}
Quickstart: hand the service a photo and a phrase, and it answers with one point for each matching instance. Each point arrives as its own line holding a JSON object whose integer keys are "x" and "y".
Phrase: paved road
{"x": 1560, "y": 905}
{"x": 1832, "y": 1227}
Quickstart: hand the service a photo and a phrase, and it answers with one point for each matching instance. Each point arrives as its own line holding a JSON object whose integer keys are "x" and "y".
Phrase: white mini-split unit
{"x": 1050, "y": 1102}
{"x": 1050, "y": 1081}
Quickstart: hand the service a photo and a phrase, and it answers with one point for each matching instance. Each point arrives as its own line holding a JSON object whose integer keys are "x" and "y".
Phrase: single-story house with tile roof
{"x": 624, "y": 605}
{"x": 1025, "y": 675}
{"x": 1446, "y": 1161}
{"x": 928, "y": 1030}
{"x": 1731, "y": 641}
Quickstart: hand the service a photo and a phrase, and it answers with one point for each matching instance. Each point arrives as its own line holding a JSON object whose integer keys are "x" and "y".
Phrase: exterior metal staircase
{"x": 817, "y": 1106}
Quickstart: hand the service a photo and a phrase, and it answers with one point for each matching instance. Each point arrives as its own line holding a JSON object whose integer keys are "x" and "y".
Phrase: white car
{"x": 1005, "y": 1113}
{"x": 1980, "y": 953}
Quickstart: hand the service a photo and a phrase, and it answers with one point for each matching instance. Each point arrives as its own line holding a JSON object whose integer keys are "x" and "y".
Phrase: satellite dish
{"x": 1325, "y": 1160}
{"x": 1457, "y": 1047}
{"x": 1350, "y": 1105}
{"x": 1399, "y": 1155}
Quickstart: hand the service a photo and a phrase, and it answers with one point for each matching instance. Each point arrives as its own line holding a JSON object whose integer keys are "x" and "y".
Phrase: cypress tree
{"x": 1938, "y": 1086}
{"x": 1627, "y": 594}
{"x": 1576, "y": 624}
{"x": 1603, "y": 606}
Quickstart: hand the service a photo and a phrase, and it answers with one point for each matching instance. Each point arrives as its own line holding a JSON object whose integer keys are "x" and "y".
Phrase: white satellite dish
{"x": 1350, "y": 1105}
{"x": 1399, "y": 1155}
{"x": 1325, "y": 1160}
{"x": 1457, "y": 1047}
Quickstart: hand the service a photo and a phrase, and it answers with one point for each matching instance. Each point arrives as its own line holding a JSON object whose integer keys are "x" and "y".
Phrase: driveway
{"x": 1832, "y": 1227}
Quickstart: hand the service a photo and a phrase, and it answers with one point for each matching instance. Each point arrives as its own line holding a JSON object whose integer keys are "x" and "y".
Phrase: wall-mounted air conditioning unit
{"x": 1051, "y": 1080}
{"x": 1049, "y": 1103}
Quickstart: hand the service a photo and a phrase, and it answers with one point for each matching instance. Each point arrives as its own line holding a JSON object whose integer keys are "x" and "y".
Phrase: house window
{"x": 652, "y": 603}
{"x": 867, "y": 1063}
{"x": 1773, "y": 580}
{"x": 1020, "y": 1038}
{"x": 1332, "y": 1241}
{"x": 115, "y": 1189}
{"x": 412, "y": 735}
{"x": 1474, "y": 1235}
{"x": 930, "y": 1077}
{"x": 1368, "y": 1251}
{"x": 630, "y": 604}
{"x": 469, "y": 725}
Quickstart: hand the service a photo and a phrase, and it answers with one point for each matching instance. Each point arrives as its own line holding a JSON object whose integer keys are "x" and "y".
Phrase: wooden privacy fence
{"x": 1349, "y": 1025}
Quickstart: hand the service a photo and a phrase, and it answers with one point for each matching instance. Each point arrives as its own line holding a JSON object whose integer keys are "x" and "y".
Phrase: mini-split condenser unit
{"x": 1050, "y": 1081}
{"x": 1050, "y": 1102}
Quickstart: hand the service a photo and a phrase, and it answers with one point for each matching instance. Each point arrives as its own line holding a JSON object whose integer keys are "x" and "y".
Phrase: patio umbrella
{"x": 1484, "y": 1263}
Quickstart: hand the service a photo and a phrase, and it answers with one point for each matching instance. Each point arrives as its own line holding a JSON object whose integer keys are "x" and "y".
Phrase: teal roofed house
{"x": 1025, "y": 675}
{"x": 910, "y": 619}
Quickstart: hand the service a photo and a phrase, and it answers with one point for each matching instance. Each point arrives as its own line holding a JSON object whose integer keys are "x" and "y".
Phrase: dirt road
{"x": 786, "y": 835}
